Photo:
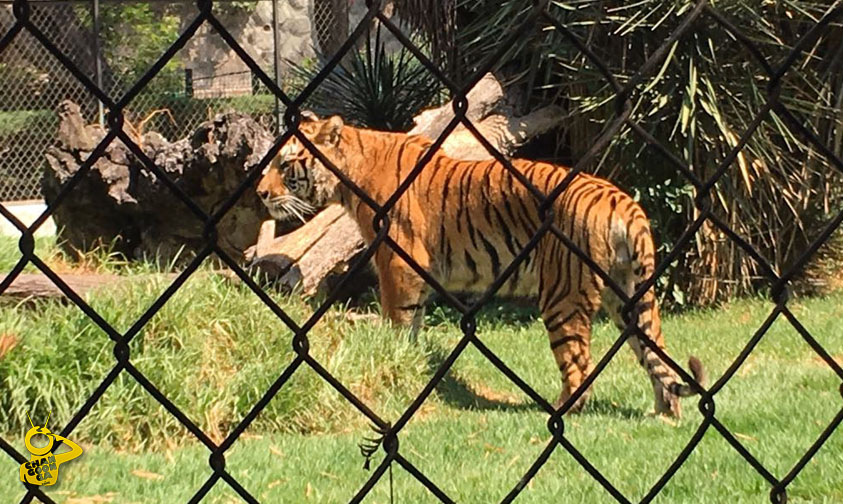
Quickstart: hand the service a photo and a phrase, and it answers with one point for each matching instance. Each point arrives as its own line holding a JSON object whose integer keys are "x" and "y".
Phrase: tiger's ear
{"x": 308, "y": 116}
{"x": 309, "y": 124}
{"x": 330, "y": 131}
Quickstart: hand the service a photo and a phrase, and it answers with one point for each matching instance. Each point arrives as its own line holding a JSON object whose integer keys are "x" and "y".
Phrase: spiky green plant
{"x": 698, "y": 100}
{"x": 375, "y": 87}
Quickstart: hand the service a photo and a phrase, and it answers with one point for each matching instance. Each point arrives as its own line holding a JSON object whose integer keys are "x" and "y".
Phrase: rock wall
{"x": 297, "y": 22}
{"x": 207, "y": 54}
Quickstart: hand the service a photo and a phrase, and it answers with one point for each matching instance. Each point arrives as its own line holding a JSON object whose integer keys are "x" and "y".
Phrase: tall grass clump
{"x": 102, "y": 259}
{"x": 213, "y": 350}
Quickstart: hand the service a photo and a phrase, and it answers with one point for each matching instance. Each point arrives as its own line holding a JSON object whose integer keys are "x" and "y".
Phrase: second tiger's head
{"x": 296, "y": 183}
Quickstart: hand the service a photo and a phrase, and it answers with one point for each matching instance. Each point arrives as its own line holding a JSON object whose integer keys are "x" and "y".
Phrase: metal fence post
{"x": 95, "y": 14}
{"x": 275, "y": 68}
{"x": 188, "y": 82}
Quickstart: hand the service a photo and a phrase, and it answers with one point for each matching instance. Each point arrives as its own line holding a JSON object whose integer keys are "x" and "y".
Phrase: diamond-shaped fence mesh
{"x": 191, "y": 88}
{"x": 25, "y": 32}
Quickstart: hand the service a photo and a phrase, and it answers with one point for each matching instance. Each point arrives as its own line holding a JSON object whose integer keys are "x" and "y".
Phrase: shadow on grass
{"x": 458, "y": 393}
{"x": 596, "y": 406}
{"x": 508, "y": 311}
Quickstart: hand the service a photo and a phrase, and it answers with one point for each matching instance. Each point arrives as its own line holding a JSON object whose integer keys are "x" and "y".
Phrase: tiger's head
{"x": 296, "y": 183}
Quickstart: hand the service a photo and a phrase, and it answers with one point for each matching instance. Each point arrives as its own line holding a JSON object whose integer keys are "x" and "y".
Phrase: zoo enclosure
{"x": 624, "y": 90}
{"x": 109, "y": 39}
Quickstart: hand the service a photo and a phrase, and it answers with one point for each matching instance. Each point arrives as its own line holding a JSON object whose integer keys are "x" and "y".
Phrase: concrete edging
{"x": 26, "y": 212}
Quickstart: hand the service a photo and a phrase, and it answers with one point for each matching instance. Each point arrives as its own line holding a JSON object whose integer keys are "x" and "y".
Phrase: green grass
{"x": 14, "y": 122}
{"x": 214, "y": 349}
{"x": 10, "y": 255}
{"x": 103, "y": 259}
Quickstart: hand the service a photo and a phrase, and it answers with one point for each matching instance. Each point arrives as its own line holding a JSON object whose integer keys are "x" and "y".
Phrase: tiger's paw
{"x": 667, "y": 404}
{"x": 578, "y": 405}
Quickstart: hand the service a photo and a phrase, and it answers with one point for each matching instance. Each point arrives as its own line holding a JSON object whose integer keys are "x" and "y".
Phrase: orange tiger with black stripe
{"x": 465, "y": 221}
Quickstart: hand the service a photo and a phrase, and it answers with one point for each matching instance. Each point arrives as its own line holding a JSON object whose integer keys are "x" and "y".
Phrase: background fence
{"x": 113, "y": 41}
{"x": 625, "y": 91}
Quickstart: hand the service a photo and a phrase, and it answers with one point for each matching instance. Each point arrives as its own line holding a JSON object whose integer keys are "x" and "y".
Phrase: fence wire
{"x": 25, "y": 25}
{"x": 105, "y": 47}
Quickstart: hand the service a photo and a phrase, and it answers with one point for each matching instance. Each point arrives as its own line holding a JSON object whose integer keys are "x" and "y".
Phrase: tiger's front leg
{"x": 403, "y": 292}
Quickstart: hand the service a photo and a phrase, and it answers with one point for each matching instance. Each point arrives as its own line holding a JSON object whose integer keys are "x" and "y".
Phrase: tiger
{"x": 463, "y": 222}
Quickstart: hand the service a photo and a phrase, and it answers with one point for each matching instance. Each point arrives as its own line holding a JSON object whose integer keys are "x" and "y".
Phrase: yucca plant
{"x": 375, "y": 87}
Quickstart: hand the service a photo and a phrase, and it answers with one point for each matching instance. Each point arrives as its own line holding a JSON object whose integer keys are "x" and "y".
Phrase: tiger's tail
{"x": 641, "y": 252}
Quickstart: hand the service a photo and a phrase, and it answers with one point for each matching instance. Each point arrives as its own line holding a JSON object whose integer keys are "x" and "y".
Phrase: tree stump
{"x": 121, "y": 203}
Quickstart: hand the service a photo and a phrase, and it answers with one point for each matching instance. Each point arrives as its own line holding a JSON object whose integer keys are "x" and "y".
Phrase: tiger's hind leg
{"x": 568, "y": 324}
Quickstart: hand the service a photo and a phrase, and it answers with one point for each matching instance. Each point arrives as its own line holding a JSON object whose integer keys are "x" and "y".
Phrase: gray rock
{"x": 298, "y": 27}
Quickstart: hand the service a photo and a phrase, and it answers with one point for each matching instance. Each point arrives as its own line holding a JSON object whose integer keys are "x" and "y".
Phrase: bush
{"x": 375, "y": 88}
{"x": 698, "y": 101}
{"x": 27, "y": 121}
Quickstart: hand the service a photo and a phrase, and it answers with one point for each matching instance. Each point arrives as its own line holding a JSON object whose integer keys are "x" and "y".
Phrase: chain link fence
{"x": 112, "y": 42}
{"x": 25, "y": 26}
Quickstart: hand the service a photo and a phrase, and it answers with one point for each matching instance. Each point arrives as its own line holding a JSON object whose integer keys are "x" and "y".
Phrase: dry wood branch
{"x": 308, "y": 257}
{"x": 142, "y": 125}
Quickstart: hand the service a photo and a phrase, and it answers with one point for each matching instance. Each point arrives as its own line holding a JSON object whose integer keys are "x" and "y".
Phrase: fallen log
{"x": 36, "y": 285}
{"x": 309, "y": 258}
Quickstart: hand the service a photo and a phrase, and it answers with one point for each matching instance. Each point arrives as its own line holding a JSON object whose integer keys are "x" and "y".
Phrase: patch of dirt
{"x": 816, "y": 359}
{"x": 427, "y": 409}
{"x": 748, "y": 365}
{"x": 143, "y": 474}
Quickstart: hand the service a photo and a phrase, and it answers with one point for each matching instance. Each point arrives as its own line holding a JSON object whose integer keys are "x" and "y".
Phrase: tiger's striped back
{"x": 465, "y": 221}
